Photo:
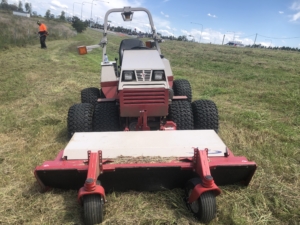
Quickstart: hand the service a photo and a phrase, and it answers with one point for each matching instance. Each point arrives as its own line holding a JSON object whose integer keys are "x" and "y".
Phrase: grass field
{"x": 257, "y": 93}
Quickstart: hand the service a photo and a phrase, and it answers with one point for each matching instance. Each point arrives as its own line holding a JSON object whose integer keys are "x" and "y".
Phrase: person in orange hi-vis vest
{"x": 43, "y": 34}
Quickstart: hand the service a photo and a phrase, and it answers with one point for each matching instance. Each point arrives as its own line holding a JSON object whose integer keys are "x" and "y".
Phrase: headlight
{"x": 158, "y": 75}
{"x": 128, "y": 76}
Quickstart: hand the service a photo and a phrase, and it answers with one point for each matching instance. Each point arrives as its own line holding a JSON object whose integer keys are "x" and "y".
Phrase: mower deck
{"x": 178, "y": 160}
{"x": 180, "y": 143}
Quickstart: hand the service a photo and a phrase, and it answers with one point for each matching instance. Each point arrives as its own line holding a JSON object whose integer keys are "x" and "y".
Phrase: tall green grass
{"x": 22, "y": 31}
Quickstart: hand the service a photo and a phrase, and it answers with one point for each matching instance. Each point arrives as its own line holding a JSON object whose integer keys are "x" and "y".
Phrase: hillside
{"x": 22, "y": 31}
{"x": 257, "y": 93}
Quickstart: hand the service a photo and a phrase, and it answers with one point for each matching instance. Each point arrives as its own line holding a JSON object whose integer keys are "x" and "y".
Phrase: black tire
{"x": 180, "y": 112}
{"x": 106, "y": 117}
{"x": 205, "y": 207}
{"x": 182, "y": 87}
{"x": 205, "y": 114}
{"x": 90, "y": 95}
{"x": 93, "y": 209}
{"x": 80, "y": 118}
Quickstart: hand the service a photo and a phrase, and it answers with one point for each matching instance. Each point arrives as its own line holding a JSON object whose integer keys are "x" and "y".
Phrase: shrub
{"x": 78, "y": 25}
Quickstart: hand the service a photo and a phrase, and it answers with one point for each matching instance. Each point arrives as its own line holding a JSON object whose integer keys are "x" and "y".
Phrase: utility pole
{"x": 223, "y": 39}
{"x": 255, "y": 39}
{"x": 201, "y": 31}
{"x": 73, "y": 6}
{"x": 92, "y": 7}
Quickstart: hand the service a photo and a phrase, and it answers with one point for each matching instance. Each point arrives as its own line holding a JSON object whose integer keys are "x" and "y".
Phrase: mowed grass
{"x": 257, "y": 94}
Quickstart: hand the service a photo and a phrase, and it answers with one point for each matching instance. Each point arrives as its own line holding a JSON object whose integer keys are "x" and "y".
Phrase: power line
{"x": 278, "y": 38}
{"x": 247, "y": 36}
{"x": 269, "y": 37}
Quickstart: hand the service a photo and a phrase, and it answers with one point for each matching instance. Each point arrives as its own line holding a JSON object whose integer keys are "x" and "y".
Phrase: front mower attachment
{"x": 196, "y": 160}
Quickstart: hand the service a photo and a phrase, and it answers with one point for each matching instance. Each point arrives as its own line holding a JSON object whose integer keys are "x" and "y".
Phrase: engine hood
{"x": 142, "y": 60}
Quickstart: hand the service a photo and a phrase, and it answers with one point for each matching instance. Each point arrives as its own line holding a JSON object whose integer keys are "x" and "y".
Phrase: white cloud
{"x": 210, "y": 15}
{"x": 215, "y": 37}
{"x": 168, "y": 27}
{"x": 295, "y": 17}
{"x": 281, "y": 12}
{"x": 266, "y": 44}
{"x": 295, "y": 5}
{"x": 165, "y": 32}
{"x": 58, "y": 4}
{"x": 165, "y": 15}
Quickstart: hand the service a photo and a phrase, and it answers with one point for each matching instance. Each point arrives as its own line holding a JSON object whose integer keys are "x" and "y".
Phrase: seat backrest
{"x": 127, "y": 44}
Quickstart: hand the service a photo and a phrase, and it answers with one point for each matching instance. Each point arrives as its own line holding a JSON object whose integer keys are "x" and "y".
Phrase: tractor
{"x": 139, "y": 92}
{"x": 142, "y": 111}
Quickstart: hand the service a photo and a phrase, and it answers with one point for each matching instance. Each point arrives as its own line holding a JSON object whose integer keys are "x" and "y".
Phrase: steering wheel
{"x": 139, "y": 47}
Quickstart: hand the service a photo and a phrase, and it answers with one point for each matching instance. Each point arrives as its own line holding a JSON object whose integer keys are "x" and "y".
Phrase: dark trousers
{"x": 43, "y": 40}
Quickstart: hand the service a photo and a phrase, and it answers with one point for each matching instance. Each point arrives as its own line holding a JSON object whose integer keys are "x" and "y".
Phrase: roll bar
{"x": 128, "y": 9}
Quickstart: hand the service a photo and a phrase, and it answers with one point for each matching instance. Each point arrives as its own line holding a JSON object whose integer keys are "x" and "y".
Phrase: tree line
{"x": 16, "y": 7}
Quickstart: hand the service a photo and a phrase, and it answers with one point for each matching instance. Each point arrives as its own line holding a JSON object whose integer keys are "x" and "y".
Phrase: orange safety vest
{"x": 43, "y": 27}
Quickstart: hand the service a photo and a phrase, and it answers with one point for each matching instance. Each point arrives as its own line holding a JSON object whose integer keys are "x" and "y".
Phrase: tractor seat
{"x": 127, "y": 44}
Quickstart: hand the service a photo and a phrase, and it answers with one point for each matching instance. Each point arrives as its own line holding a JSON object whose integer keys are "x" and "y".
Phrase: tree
{"x": 62, "y": 16}
{"x": 182, "y": 38}
{"x": 79, "y": 25}
{"x": 4, "y": 4}
{"x": 28, "y": 7}
{"x": 20, "y": 6}
{"x": 48, "y": 13}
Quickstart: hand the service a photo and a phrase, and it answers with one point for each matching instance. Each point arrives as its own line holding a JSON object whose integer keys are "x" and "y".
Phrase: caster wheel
{"x": 93, "y": 209}
{"x": 204, "y": 208}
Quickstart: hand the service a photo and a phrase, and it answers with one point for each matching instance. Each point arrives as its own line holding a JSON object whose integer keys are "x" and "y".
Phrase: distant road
{"x": 114, "y": 33}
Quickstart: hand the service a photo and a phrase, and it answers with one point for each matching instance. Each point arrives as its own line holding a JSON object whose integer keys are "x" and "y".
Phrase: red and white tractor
{"x": 139, "y": 95}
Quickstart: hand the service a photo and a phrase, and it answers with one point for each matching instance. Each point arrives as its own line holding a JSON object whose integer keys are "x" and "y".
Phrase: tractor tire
{"x": 90, "y": 95}
{"x": 93, "y": 209}
{"x": 106, "y": 117}
{"x": 205, "y": 114}
{"x": 182, "y": 87}
{"x": 205, "y": 207}
{"x": 180, "y": 112}
{"x": 80, "y": 118}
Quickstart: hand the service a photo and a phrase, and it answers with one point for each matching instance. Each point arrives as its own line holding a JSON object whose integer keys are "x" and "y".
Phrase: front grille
{"x": 143, "y": 75}
{"x": 144, "y": 96}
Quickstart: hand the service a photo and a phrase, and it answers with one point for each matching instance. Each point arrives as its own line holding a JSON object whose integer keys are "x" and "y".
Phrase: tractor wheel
{"x": 182, "y": 87}
{"x": 180, "y": 112}
{"x": 90, "y": 95}
{"x": 205, "y": 115}
{"x": 93, "y": 209}
{"x": 80, "y": 118}
{"x": 106, "y": 117}
{"x": 204, "y": 208}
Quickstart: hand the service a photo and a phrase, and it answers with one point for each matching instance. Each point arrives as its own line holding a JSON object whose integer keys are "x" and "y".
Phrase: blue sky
{"x": 276, "y": 22}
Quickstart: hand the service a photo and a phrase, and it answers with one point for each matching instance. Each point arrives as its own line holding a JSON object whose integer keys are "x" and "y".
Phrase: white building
{"x": 21, "y": 14}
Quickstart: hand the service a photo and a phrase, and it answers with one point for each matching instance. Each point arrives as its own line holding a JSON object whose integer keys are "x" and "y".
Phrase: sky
{"x": 266, "y": 22}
